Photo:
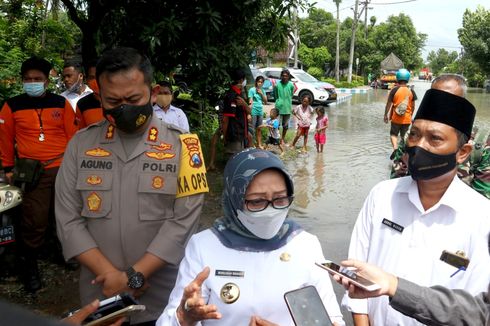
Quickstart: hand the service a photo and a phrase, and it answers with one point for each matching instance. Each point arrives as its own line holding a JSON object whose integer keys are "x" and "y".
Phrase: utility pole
{"x": 337, "y": 50}
{"x": 366, "y": 3}
{"x": 352, "y": 42}
{"x": 296, "y": 38}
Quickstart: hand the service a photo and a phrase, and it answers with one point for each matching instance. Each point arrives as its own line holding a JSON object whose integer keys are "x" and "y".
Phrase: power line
{"x": 392, "y": 3}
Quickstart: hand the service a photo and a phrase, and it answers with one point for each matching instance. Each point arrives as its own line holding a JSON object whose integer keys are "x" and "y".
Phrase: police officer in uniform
{"x": 129, "y": 192}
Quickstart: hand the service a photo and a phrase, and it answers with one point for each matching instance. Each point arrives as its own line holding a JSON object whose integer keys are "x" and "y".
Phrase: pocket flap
{"x": 90, "y": 180}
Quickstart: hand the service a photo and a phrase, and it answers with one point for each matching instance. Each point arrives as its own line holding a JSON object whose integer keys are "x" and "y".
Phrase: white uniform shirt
{"x": 74, "y": 97}
{"x": 460, "y": 221}
{"x": 265, "y": 279}
{"x": 173, "y": 116}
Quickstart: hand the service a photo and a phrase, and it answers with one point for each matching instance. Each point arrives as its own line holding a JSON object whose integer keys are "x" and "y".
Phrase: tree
{"x": 314, "y": 57}
{"x": 441, "y": 59}
{"x": 398, "y": 35}
{"x": 475, "y": 36}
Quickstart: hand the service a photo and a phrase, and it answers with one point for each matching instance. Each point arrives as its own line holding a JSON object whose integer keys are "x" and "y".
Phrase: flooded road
{"x": 331, "y": 188}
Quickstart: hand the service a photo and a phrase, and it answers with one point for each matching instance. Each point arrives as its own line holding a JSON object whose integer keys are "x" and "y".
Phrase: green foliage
{"x": 316, "y": 72}
{"x": 475, "y": 36}
{"x": 314, "y": 57}
{"x": 26, "y": 29}
{"x": 440, "y": 60}
{"x": 397, "y": 35}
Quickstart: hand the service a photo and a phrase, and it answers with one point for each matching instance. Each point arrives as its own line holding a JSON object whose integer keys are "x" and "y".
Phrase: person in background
{"x": 407, "y": 223}
{"x": 303, "y": 113}
{"x": 283, "y": 93}
{"x": 235, "y": 111}
{"x": 399, "y": 108}
{"x": 35, "y": 128}
{"x": 164, "y": 109}
{"x": 129, "y": 192}
{"x": 321, "y": 129}
{"x": 273, "y": 125}
{"x": 257, "y": 99}
{"x": 73, "y": 79}
{"x": 254, "y": 253}
{"x": 89, "y": 105}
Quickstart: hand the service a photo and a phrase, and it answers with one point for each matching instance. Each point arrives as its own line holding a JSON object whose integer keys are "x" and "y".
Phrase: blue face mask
{"x": 35, "y": 89}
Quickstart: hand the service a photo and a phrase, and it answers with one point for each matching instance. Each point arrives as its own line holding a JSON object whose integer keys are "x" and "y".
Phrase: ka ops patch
{"x": 192, "y": 174}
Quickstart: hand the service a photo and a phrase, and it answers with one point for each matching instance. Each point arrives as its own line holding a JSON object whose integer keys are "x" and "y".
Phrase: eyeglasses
{"x": 257, "y": 205}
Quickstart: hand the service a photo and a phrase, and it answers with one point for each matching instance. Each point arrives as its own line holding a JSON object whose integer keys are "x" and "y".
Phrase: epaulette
{"x": 174, "y": 127}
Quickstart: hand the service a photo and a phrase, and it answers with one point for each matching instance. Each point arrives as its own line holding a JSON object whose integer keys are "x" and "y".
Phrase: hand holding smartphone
{"x": 112, "y": 309}
{"x": 353, "y": 277}
{"x": 306, "y": 307}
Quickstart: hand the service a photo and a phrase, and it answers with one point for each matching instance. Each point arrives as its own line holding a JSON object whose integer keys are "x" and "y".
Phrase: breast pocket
{"x": 156, "y": 196}
{"x": 95, "y": 188}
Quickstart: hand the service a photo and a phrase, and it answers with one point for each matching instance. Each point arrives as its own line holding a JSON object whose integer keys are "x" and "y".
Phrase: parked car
{"x": 267, "y": 87}
{"x": 305, "y": 84}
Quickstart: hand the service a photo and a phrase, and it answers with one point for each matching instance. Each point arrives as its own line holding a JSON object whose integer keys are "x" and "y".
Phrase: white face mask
{"x": 264, "y": 224}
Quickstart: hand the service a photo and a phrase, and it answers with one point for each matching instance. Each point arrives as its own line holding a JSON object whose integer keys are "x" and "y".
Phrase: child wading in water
{"x": 303, "y": 114}
{"x": 273, "y": 125}
{"x": 321, "y": 126}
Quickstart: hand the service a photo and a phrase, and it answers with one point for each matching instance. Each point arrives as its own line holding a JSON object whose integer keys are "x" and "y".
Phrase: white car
{"x": 304, "y": 84}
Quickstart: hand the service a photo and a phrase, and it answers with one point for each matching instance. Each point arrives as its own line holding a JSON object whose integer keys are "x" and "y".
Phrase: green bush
{"x": 315, "y": 72}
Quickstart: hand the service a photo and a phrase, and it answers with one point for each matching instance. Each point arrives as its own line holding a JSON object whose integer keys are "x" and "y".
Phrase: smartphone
{"x": 455, "y": 260}
{"x": 351, "y": 275}
{"x": 306, "y": 307}
{"x": 113, "y": 317}
{"x": 109, "y": 306}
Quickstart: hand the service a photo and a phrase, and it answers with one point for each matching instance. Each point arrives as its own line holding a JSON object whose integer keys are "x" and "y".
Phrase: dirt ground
{"x": 60, "y": 292}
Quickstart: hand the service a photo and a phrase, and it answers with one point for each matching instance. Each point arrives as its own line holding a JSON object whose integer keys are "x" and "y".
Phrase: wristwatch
{"x": 135, "y": 279}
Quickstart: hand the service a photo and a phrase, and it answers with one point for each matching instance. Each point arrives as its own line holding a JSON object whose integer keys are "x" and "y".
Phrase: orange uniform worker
{"x": 89, "y": 105}
{"x": 35, "y": 125}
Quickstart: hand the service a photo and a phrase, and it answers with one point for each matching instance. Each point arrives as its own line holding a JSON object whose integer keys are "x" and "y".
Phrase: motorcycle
{"x": 10, "y": 197}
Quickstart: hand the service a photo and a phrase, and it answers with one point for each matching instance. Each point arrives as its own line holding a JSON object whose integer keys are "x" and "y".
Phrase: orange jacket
{"x": 90, "y": 109}
{"x": 397, "y": 95}
{"x": 21, "y": 118}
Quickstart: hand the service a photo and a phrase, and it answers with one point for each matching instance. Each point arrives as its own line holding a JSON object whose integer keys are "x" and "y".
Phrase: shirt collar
{"x": 451, "y": 198}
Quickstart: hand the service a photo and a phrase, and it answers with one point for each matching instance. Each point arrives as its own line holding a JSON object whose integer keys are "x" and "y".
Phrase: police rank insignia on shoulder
{"x": 153, "y": 134}
{"x": 109, "y": 134}
{"x": 93, "y": 202}
{"x": 192, "y": 174}
{"x": 98, "y": 152}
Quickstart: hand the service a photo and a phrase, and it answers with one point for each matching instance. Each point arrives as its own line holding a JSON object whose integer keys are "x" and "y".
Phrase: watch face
{"x": 136, "y": 281}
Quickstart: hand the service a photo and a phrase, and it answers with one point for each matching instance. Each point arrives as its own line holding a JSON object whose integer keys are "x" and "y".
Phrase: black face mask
{"x": 424, "y": 165}
{"x": 129, "y": 118}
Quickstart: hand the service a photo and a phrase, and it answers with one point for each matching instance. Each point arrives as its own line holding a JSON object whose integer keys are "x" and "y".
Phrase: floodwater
{"x": 330, "y": 188}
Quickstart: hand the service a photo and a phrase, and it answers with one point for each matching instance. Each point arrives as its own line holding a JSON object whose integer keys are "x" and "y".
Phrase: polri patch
{"x": 393, "y": 225}
{"x": 225, "y": 273}
{"x": 93, "y": 202}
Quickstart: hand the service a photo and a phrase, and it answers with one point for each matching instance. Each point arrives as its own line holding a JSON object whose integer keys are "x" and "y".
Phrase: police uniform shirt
{"x": 394, "y": 232}
{"x": 242, "y": 284}
{"x": 126, "y": 205}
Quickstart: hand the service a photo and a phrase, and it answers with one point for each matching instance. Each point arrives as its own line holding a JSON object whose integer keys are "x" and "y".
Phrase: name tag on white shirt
{"x": 393, "y": 225}
{"x": 225, "y": 273}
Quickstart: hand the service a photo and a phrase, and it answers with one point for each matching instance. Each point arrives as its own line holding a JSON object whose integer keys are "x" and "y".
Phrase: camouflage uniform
{"x": 475, "y": 171}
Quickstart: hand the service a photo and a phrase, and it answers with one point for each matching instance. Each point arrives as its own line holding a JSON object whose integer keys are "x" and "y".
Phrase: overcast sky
{"x": 439, "y": 19}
